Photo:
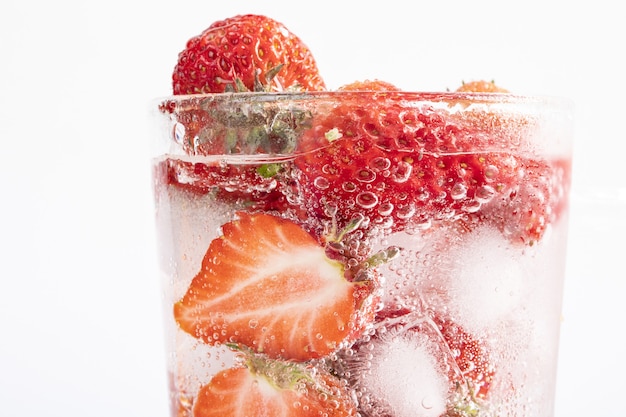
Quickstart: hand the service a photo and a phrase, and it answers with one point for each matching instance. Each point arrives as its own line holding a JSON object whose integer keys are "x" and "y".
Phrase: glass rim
{"x": 517, "y": 118}
{"x": 452, "y": 97}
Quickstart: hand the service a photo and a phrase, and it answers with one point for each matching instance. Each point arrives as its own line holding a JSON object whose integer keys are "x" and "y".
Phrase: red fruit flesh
{"x": 239, "y": 392}
{"x": 267, "y": 284}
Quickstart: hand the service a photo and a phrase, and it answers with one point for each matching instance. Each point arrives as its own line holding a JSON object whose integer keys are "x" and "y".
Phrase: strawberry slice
{"x": 273, "y": 389}
{"x": 268, "y": 285}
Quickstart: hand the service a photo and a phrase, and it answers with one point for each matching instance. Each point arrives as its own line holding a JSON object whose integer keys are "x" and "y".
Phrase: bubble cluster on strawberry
{"x": 402, "y": 166}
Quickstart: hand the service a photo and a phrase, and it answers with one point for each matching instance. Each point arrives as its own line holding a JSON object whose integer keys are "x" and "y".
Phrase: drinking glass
{"x": 370, "y": 253}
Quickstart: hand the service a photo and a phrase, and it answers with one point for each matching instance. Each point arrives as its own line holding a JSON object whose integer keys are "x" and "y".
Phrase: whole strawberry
{"x": 245, "y": 52}
{"x": 481, "y": 86}
{"x": 405, "y": 166}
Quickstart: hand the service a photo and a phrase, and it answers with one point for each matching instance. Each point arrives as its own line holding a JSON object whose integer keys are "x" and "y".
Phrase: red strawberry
{"x": 369, "y": 85}
{"x": 241, "y": 52}
{"x": 481, "y": 86}
{"x": 273, "y": 389}
{"x": 403, "y": 166}
{"x": 267, "y": 284}
{"x": 529, "y": 207}
{"x": 470, "y": 354}
{"x": 471, "y": 357}
{"x": 254, "y": 187}
{"x": 410, "y": 349}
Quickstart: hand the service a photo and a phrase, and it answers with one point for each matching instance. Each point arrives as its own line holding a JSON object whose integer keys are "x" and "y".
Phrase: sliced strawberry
{"x": 243, "y": 52}
{"x": 273, "y": 389}
{"x": 267, "y": 284}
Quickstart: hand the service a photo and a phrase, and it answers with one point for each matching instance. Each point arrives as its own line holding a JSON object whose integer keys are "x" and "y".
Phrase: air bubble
{"x": 427, "y": 403}
{"x": 485, "y": 193}
{"x": 179, "y": 133}
{"x": 491, "y": 172}
{"x": 321, "y": 183}
{"x": 473, "y": 206}
{"x": 348, "y": 186}
{"x": 366, "y": 200}
{"x": 380, "y": 163}
{"x": 458, "y": 191}
{"x": 327, "y": 169}
{"x": 402, "y": 172}
{"x": 386, "y": 222}
{"x": 424, "y": 223}
{"x": 406, "y": 211}
{"x": 385, "y": 209}
{"x": 330, "y": 209}
{"x": 365, "y": 175}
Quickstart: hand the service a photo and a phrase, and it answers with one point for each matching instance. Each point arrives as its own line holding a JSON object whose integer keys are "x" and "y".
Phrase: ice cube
{"x": 405, "y": 375}
{"x": 484, "y": 279}
{"x": 476, "y": 277}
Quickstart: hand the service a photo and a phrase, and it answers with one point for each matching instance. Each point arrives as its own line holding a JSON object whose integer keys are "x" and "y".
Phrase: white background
{"x": 79, "y": 296}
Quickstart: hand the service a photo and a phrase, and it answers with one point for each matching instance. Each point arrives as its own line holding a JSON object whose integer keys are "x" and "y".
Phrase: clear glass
{"x": 362, "y": 253}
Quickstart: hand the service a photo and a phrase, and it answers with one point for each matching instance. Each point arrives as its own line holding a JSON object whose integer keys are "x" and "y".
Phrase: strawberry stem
{"x": 269, "y": 75}
{"x": 465, "y": 404}
{"x": 332, "y": 236}
{"x": 269, "y": 170}
{"x": 279, "y": 373}
{"x": 382, "y": 257}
